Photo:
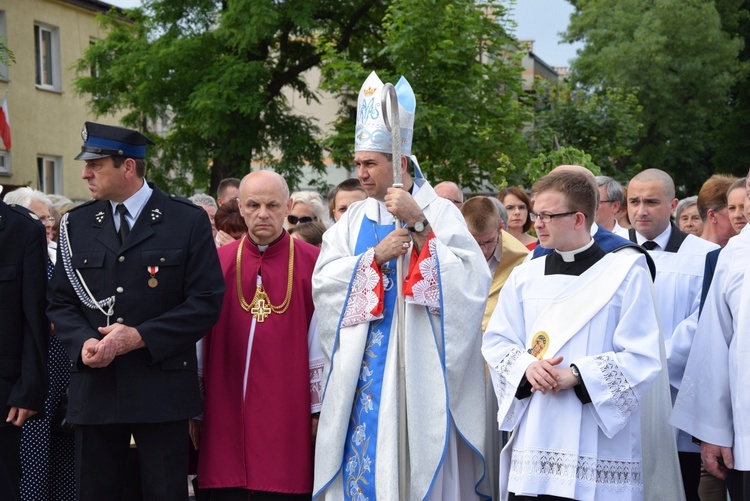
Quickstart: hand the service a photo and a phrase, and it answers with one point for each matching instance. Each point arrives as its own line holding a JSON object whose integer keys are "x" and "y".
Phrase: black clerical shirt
{"x": 554, "y": 264}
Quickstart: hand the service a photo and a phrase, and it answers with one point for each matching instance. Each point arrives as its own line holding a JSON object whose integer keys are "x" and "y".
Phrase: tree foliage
{"x": 678, "y": 60}
{"x": 459, "y": 59}
{"x": 211, "y": 77}
{"x": 603, "y": 123}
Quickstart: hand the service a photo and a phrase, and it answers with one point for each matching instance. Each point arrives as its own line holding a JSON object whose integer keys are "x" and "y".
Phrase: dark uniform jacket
{"x": 24, "y": 329}
{"x": 157, "y": 383}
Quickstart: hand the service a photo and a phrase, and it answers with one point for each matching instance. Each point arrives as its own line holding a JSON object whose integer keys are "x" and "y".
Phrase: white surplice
{"x": 444, "y": 368}
{"x": 714, "y": 403}
{"x": 678, "y": 284}
{"x": 560, "y": 446}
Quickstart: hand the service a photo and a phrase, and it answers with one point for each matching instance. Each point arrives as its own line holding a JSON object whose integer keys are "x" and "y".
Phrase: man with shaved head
{"x": 680, "y": 260}
{"x": 263, "y": 363}
{"x": 450, "y": 191}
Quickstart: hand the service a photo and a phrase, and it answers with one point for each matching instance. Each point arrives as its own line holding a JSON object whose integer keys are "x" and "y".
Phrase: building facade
{"x": 46, "y": 37}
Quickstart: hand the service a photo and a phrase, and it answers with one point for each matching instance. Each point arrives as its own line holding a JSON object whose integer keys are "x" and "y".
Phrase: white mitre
{"x": 371, "y": 133}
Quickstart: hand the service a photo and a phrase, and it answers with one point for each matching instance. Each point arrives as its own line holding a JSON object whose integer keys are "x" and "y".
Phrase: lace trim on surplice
{"x": 316, "y": 384}
{"x": 362, "y": 297}
{"x": 623, "y": 396}
{"x": 567, "y": 468}
{"x": 502, "y": 371}
{"x": 426, "y": 292}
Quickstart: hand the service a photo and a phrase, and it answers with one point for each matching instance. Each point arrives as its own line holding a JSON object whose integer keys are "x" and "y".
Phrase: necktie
{"x": 649, "y": 245}
{"x": 124, "y": 227}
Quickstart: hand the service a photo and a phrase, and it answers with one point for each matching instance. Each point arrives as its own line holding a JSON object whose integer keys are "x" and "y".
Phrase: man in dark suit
{"x": 137, "y": 284}
{"x": 24, "y": 335}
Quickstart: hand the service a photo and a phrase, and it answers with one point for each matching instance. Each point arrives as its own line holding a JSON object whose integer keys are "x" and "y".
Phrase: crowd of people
{"x": 579, "y": 339}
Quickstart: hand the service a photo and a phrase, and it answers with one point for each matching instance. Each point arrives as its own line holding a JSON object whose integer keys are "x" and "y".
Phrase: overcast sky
{"x": 541, "y": 20}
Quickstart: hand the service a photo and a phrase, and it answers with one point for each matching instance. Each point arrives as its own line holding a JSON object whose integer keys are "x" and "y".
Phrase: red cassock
{"x": 263, "y": 443}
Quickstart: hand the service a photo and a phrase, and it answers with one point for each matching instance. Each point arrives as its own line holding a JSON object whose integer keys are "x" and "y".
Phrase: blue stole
{"x": 362, "y": 435}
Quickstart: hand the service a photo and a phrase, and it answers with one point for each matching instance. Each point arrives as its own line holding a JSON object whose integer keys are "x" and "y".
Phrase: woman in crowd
{"x": 736, "y": 204}
{"x": 687, "y": 218}
{"x": 230, "y": 225}
{"x": 306, "y": 206}
{"x": 518, "y": 205}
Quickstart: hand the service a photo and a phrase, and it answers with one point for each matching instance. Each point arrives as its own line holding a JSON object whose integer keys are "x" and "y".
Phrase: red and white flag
{"x": 5, "y": 123}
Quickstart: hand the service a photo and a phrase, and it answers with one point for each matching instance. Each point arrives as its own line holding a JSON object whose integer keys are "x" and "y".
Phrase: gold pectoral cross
{"x": 260, "y": 309}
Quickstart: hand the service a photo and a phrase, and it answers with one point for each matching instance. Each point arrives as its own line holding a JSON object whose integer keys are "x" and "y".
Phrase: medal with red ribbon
{"x": 153, "y": 282}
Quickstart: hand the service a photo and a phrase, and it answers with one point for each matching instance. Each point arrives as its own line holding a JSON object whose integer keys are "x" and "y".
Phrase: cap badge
{"x": 84, "y": 133}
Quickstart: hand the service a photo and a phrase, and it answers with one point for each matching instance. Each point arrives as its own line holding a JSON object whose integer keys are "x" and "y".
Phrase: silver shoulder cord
{"x": 77, "y": 281}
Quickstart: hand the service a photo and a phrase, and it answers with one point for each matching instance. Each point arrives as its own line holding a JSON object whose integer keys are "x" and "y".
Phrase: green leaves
{"x": 680, "y": 63}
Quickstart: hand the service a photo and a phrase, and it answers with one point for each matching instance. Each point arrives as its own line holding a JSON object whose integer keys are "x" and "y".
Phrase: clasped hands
{"x": 118, "y": 339}
{"x": 401, "y": 204}
{"x": 544, "y": 376}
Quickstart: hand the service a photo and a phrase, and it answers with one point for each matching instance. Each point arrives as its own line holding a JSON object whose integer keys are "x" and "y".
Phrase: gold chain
{"x": 261, "y": 306}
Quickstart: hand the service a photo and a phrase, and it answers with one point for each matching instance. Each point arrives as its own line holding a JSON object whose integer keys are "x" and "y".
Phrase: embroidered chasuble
{"x": 446, "y": 285}
{"x": 582, "y": 443}
{"x": 261, "y": 439}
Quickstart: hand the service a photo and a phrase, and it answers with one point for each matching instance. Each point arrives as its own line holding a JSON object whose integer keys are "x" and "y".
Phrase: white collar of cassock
{"x": 662, "y": 240}
{"x": 570, "y": 256}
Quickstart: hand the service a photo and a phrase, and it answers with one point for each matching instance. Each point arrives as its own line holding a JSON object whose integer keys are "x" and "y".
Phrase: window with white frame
{"x": 5, "y": 163}
{"x": 49, "y": 174}
{"x": 4, "y": 39}
{"x": 47, "y": 54}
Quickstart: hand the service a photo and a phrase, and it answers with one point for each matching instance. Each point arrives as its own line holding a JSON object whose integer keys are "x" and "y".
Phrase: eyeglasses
{"x": 47, "y": 220}
{"x": 489, "y": 243}
{"x": 546, "y": 218}
{"x": 304, "y": 219}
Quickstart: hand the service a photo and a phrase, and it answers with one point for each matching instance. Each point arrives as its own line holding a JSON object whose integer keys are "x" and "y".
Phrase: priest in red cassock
{"x": 262, "y": 360}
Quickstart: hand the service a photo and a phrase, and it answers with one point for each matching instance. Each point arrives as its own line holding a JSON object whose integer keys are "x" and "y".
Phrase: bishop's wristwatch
{"x": 419, "y": 226}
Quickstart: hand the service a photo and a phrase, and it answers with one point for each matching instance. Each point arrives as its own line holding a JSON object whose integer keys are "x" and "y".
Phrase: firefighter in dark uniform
{"x": 137, "y": 283}
{"x": 24, "y": 335}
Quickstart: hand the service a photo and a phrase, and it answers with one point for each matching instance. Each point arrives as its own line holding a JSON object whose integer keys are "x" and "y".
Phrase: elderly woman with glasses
{"x": 518, "y": 206}
{"x": 307, "y": 206}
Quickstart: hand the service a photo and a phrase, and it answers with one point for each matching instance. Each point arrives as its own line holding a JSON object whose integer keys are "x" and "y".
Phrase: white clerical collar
{"x": 134, "y": 204}
{"x": 662, "y": 240}
{"x": 570, "y": 256}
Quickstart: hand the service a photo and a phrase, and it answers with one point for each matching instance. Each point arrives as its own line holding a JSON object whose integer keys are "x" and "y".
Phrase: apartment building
{"x": 46, "y": 37}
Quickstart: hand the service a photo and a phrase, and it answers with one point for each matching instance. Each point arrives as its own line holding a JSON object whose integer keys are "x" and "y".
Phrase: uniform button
{"x": 120, "y": 290}
{"x": 121, "y": 258}
{"x": 85, "y": 261}
{"x": 120, "y": 320}
{"x": 162, "y": 260}
{"x": 184, "y": 364}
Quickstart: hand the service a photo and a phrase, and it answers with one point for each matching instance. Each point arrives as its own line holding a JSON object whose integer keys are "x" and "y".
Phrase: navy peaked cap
{"x": 101, "y": 141}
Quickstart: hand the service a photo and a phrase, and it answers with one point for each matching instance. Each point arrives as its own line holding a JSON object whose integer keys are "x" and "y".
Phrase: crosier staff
{"x": 394, "y": 127}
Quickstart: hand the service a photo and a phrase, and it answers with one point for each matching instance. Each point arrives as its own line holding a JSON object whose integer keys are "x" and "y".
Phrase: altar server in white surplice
{"x": 354, "y": 290}
{"x": 573, "y": 347}
{"x": 713, "y": 404}
{"x": 680, "y": 261}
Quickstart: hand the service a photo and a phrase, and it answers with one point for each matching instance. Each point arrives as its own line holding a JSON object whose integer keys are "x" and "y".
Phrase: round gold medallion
{"x": 153, "y": 282}
{"x": 539, "y": 345}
